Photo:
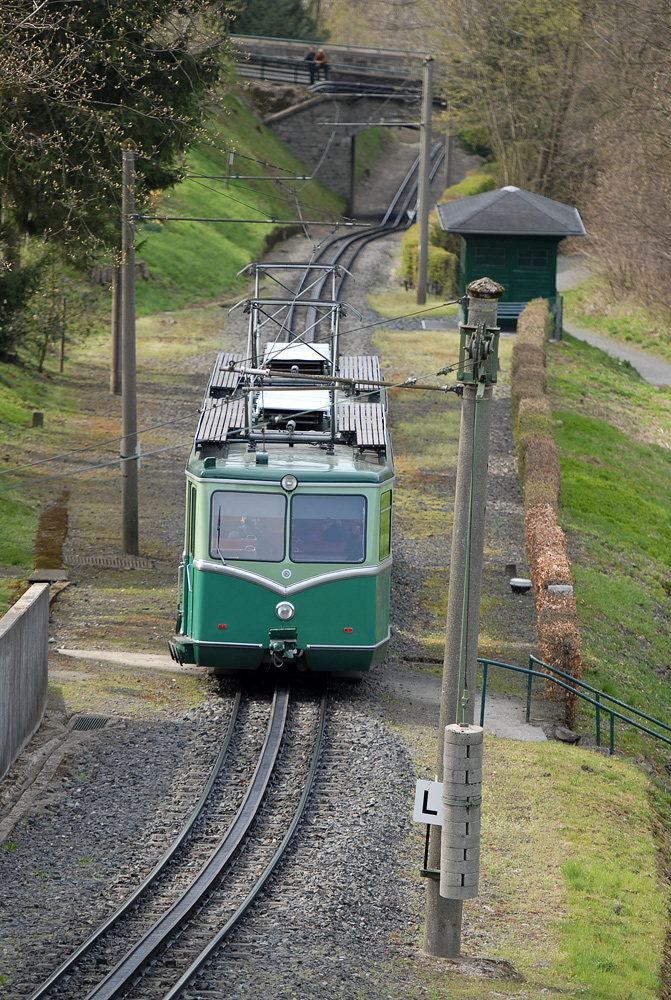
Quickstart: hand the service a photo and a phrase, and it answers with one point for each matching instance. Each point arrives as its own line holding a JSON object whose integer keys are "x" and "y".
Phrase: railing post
{"x": 483, "y": 693}
{"x": 529, "y": 680}
{"x": 612, "y": 734}
{"x": 598, "y": 720}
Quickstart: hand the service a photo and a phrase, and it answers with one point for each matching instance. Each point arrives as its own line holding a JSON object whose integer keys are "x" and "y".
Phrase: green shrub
{"x": 441, "y": 265}
{"x": 441, "y": 271}
{"x": 475, "y": 182}
{"x": 409, "y": 248}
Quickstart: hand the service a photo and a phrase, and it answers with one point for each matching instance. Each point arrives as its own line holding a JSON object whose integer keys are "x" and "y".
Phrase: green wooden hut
{"x": 511, "y": 236}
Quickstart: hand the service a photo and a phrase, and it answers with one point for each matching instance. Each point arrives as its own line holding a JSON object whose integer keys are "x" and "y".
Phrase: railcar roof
{"x": 306, "y": 462}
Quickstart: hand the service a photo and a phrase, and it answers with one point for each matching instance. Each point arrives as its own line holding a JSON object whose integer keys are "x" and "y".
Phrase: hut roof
{"x": 510, "y": 211}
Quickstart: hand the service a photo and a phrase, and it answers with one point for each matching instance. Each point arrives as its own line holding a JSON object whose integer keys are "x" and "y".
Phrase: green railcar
{"x": 287, "y": 555}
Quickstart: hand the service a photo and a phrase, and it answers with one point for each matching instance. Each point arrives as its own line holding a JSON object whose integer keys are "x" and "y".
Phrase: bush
{"x": 475, "y": 182}
{"x": 441, "y": 272}
{"x": 409, "y": 248}
{"x": 441, "y": 266}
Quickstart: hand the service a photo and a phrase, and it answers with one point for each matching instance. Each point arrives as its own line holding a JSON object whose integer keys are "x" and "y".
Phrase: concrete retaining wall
{"x": 299, "y": 128}
{"x": 24, "y": 645}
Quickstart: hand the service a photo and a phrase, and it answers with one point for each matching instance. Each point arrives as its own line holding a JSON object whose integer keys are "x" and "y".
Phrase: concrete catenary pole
{"x": 129, "y": 494}
{"x": 115, "y": 371}
{"x": 442, "y": 935}
{"x": 424, "y": 180}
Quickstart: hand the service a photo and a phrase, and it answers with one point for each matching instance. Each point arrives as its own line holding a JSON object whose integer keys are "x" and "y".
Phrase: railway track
{"x": 342, "y": 250}
{"x": 163, "y": 935}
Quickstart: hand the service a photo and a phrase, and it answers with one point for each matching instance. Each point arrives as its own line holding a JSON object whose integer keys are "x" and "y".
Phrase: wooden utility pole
{"x": 128, "y": 450}
{"x": 424, "y": 180}
{"x": 478, "y": 362}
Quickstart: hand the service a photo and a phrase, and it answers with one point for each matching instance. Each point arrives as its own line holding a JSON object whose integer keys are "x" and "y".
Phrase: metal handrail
{"x": 298, "y": 63}
{"x": 572, "y": 686}
{"x": 330, "y": 45}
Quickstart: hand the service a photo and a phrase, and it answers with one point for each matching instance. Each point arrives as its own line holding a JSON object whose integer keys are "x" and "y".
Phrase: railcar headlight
{"x": 285, "y": 611}
{"x": 289, "y": 483}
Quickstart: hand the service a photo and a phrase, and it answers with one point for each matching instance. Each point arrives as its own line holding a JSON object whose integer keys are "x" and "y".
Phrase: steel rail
{"x": 340, "y": 245}
{"x": 206, "y": 955}
{"x": 69, "y": 965}
{"x": 128, "y": 969}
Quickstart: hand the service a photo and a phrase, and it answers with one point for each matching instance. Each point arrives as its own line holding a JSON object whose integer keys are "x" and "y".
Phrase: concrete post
{"x": 115, "y": 373}
{"x": 442, "y": 935}
{"x": 349, "y": 207}
{"x": 129, "y": 497}
{"x": 424, "y": 181}
{"x": 448, "y": 158}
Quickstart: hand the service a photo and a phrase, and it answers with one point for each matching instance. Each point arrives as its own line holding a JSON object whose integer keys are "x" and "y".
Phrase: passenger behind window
{"x": 354, "y": 545}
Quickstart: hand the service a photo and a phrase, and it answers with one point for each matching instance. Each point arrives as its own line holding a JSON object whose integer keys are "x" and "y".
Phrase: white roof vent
{"x": 510, "y": 187}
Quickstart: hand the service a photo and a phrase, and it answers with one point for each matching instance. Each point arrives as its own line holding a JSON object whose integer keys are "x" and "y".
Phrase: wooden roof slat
{"x": 221, "y": 378}
{"x": 365, "y": 366}
{"x": 366, "y": 420}
{"x": 218, "y": 419}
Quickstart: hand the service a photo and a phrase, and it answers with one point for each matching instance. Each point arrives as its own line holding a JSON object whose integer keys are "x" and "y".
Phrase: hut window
{"x": 490, "y": 256}
{"x": 532, "y": 257}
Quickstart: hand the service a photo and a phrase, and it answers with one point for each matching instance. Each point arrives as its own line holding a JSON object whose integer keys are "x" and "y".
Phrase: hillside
{"x": 192, "y": 262}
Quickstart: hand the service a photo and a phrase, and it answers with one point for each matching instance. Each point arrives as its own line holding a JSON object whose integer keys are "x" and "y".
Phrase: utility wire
{"x": 406, "y": 384}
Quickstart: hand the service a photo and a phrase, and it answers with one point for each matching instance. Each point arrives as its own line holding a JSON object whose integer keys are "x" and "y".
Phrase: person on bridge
{"x": 322, "y": 63}
{"x": 310, "y": 60}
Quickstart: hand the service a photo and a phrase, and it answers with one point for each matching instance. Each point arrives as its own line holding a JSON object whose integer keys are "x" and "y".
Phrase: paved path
{"x": 571, "y": 270}
{"x": 652, "y": 369}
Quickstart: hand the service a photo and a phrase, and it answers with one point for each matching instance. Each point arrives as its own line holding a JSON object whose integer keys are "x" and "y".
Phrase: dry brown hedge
{"x": 557, "y": 622}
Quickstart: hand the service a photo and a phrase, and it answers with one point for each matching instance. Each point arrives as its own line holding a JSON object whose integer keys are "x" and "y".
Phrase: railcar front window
{"x": 247, "y": 526}
{"x": 328, "y": 528}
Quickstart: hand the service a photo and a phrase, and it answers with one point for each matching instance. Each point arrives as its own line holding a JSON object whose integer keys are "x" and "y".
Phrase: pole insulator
{"x": 462, "y": 798}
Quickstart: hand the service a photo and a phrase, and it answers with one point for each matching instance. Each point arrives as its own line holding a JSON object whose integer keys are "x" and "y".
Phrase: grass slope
{"x": 193, "y": 262}
{"x": 613, "y": 431}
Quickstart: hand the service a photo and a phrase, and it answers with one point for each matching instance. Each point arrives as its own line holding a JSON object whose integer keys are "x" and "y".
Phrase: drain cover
{"x": 111, "y": 562}
{"x": 90, "y": 722}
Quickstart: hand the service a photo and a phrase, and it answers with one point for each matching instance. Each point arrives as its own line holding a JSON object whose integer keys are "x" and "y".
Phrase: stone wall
{"x": 24, "y": 644}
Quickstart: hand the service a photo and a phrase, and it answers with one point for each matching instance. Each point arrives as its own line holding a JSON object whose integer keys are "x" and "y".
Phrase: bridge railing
{"x": 284, "y": 69}
{"x": 602, "y": 702}
{"x": 242, "y": 40}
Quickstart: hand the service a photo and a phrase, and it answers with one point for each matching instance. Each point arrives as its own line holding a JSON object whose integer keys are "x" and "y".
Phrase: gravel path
{"x": 342, "y": 917}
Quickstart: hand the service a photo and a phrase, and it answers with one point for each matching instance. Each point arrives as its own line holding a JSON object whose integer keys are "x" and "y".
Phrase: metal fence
{"x": 602, "y": 702}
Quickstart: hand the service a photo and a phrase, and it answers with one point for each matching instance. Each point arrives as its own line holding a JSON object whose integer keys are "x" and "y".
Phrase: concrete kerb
{"x": 145, "y": 661}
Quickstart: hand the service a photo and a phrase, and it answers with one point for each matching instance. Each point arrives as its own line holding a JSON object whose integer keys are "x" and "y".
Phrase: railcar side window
{"x": 385, "y": 525}
{"x": 247, "y": 526}
{"x": 328, "y": 528}
{"x": 191, "y": 519}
